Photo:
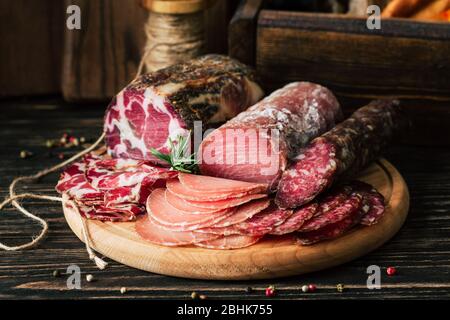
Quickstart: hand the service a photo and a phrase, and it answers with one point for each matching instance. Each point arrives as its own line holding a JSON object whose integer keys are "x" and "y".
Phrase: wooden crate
{"x": 405, "y": 59}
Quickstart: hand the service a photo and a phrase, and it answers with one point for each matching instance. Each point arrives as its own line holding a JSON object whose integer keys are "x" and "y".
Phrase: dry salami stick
{"x": 341, "y": 152}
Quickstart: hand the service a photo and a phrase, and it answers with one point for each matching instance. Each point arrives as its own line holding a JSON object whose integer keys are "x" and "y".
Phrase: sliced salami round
{"x": 348, "y": 208}
{"x": 328, "y": 232}
{"x": 229, "y": 242}
{"x": 153, "y": 233}
{"x": 310, "y": 175}
{"x": 265, "y": 221}
{"x": 297, "y": 219}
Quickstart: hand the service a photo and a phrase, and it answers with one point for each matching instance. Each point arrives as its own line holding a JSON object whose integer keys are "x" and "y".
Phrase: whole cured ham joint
{"x": 256, "y": 145}
{"x": 341, "y": 152}
{"x": 166, "y": 103}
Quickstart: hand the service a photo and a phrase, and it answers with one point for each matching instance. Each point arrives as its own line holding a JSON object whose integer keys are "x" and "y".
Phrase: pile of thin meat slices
{"x": 226, "y": 214}
{"x": 186, "y": 209}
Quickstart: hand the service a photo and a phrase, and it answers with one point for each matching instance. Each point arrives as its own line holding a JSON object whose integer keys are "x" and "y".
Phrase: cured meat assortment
{"x": 215, "y": 227}
{"x": 111, "y": 189}
{"x": 255, "y": 146}
{"x": 166, "y": 103}
{"x": 341, "y": 152}
{"x": 298, "y": 185}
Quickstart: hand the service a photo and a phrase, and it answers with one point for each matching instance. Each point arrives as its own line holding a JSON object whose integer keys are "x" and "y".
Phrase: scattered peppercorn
{"x": 89, "y": 278}
{"x": 123, "y": 290}
{"x": 25, "y": 154}
{"x": 56, "y": 273}
{"x": 270, "y": 291}
{"x": 340, "y": 287}
{"x": 194, "y": 295}
{"x": 82, "y": 139}
{"x": 249, "y": 289}
{"x": 305, "y": 288}
{"x": 61, "y": 155}
{"x": 202, "y": 297}
{"x": 391, "y": 271}
{"x": 312, "y": 287}
{"x": 49, "y": 144}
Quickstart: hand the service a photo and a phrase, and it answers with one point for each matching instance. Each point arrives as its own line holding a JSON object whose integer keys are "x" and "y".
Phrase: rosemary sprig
{"x": 177, "y": 158}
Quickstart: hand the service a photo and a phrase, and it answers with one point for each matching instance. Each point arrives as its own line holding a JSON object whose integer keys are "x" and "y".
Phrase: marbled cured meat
{"x": 256, "y": 145}
{"x": 341, "y": 152}
{"x": 165, "y": 104}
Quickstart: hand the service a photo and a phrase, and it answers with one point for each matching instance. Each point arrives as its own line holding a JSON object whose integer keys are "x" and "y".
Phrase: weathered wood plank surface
{"x": 420, "y": 251}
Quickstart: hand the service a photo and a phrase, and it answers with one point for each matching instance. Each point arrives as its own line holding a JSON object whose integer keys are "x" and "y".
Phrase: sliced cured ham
{"x": 255, "y": 146}
{"x": 151, "y": 232}
{"x": 296, "y": 220}
{"x": 161, "y": 211}
{"x": 229, "y": 242}
{"x": 175, "y": 186}
{"x": 184, "y": 205}
{"x": 244, "y": 212}
{"x": 208, "y": 184}
{"x": 226, "y": 203}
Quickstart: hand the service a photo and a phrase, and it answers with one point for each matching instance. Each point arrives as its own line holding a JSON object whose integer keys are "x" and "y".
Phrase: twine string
{"x": 13, "y": 197}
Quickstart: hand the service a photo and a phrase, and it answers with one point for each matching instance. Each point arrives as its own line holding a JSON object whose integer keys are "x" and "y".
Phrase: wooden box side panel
{"x": 403, "y": 59}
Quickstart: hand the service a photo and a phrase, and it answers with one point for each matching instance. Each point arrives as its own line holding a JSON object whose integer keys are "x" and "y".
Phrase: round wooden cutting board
{"x": 270, "y": 258}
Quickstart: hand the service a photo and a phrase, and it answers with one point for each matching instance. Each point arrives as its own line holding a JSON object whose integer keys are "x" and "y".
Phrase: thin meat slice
{"x": 151, "y": 232}
{"x": 181, "y": 191}
{"x": 213, "y": 184}
{"x": 348, "y": 208}
{"x": 226, "y": 203}
{"x": 297, "y": 219}
{"x": 264, "y": 222}
{"x": 328, "y": 232}
{"x": 244, "y": 212}
{"x": 161, "y": 211}
{"x": 308, "y": 176}
{"x": 229, "y": 242}
{"x": 184, "y": 205}
{"x": 376, "y": 209}
{"x": 374, "y": 200}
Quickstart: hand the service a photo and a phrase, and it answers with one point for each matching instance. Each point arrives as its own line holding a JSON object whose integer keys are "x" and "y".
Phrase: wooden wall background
{"x": 41, "y": 56}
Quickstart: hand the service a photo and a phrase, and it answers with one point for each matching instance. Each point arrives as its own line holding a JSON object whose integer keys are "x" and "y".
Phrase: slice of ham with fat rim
{"x": 161, "y": 211}
{"x": 229, "y": 242}
{"x": 213, "y": 184}
{"x": 244, "y": 212}
{"x": 184, "y": 205}
{"x": 151, "y": 232}
{"x": 175, "y": 186}
{"x": 226, "y": 203}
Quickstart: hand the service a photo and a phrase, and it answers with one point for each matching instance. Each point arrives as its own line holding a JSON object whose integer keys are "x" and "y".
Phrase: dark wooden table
{"x": 420, "y": 251}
